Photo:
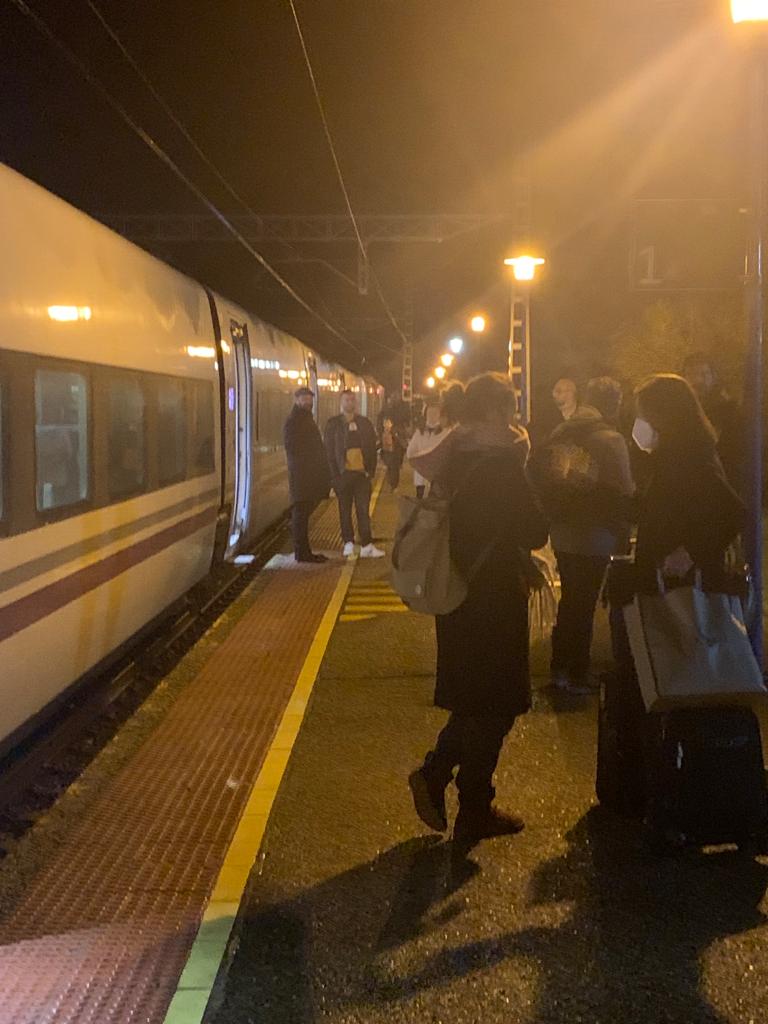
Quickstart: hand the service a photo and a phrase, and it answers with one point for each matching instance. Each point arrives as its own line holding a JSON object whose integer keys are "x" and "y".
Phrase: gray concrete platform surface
{"x": 355, "y": 914}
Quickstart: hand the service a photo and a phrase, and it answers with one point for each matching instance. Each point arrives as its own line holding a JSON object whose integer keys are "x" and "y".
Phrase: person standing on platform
{"x": 723, "y": 413}
{"x": 482, "y": 647}
{"x": 309, "y": 477}
{"x": 350, "y": 441}
{"x": 584, "y": 481}
{"x": 429, "y": 433}
{"x": 392, "y": 452}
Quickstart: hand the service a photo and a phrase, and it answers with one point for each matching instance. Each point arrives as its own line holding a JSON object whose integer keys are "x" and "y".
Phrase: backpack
{"x": 565, "y": 473}
{"x": 423, "y": 573}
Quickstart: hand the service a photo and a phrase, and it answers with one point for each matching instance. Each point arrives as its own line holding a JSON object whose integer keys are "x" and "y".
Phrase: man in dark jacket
{"x": 308, "y": 474}
{"x": 584, "y": 481}
{"x": 350, "y": 441}
{"x": 722, "y": 412}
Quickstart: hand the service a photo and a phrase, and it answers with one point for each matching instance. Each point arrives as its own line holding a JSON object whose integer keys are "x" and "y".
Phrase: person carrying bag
{"x": 687, "y": 651}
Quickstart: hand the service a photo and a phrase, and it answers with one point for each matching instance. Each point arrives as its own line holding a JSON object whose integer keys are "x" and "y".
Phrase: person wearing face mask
{"x": 689, "y": 514}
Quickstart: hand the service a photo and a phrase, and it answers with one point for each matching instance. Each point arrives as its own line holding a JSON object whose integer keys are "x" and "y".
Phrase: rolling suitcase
{"x": 706, "y": 779}
{"x": 620, "y": 781}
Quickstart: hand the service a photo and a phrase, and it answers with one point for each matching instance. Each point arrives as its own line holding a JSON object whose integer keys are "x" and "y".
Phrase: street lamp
{"x": 447, "y": 359}
{"x": 456, "y": 345}
{"x": 440, "y": 372}
{"x": 749, "y": 10}
{"x": 478, "y": 323}
{"x": 524, "y": 267}
{"x": 755, "y": 11}
{"x": 523, "y": 275}
{"x": 430, "y": 382}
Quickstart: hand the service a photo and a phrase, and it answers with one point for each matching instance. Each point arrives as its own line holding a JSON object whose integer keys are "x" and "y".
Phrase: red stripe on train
{"x": 30, "y": 609}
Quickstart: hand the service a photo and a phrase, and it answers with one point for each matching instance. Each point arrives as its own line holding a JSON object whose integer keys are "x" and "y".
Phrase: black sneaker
{"x": 428, "y": 800}
{"x": 312, "y": 558}
{"x": 471, "y": 827}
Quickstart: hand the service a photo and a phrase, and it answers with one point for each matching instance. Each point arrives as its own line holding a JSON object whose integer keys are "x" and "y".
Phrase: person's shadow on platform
{"x": 628, "y": 952}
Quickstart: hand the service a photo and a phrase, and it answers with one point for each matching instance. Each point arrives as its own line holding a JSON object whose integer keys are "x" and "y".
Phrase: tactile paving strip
{"x": 103, "y": 933}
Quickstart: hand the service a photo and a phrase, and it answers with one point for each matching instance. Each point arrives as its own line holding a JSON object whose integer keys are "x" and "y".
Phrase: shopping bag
{"x": 691, "y": 648}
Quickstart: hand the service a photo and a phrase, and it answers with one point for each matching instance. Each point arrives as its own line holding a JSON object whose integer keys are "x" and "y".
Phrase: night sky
{"x": 435, "y": 106}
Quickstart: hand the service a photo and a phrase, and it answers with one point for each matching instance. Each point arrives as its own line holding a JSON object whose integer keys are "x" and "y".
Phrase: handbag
{"x": 691, "y": 648}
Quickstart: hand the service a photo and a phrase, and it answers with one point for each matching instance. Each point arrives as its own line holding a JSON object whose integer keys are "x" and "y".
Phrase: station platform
{"x": 248, "y": 853}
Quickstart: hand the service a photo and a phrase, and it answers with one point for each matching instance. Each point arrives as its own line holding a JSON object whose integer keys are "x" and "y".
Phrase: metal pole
{"x": 753, "y": 385}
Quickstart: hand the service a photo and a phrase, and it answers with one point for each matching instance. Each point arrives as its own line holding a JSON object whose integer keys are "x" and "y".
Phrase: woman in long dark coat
{"x": 482, "y": 647}
{"x": 689, "y": 513}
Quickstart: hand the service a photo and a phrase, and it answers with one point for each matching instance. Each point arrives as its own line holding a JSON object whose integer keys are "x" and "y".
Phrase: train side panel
{"x": 110, "y": 465}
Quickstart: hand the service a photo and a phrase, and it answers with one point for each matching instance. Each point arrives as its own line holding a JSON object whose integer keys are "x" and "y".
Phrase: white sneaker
{"x": 371, "y": 551}
{"x": 349, "y": 549}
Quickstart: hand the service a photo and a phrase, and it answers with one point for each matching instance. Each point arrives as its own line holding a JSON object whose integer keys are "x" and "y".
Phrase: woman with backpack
{"x": 482, "y": 646}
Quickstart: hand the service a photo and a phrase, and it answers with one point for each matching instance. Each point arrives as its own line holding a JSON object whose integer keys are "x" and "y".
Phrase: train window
{"x": 61, "y": 438}
{"x": 126, "y": 449}
{"x": 202, "y": 432}
{"x": 171, "y": 426}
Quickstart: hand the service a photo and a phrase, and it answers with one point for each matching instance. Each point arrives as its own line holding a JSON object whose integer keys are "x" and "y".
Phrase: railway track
{"x": 33, "y": 775}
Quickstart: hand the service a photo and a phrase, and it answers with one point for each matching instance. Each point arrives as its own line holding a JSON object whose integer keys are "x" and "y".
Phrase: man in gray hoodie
{"x": 584, "y": 481}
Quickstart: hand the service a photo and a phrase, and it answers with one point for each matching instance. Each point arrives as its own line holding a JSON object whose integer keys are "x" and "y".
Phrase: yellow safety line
{"x": 196, "y": 983}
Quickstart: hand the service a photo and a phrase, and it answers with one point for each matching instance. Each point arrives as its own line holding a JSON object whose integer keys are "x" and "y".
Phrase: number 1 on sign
{"x": 646, "y": 260}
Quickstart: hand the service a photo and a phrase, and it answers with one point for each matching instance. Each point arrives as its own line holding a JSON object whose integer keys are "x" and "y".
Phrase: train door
{"x": 242, "y": 416}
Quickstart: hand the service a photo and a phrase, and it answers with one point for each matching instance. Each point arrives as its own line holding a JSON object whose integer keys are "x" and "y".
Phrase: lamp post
{"x": 523, "y": 275}
{"x": 756, "y": 13}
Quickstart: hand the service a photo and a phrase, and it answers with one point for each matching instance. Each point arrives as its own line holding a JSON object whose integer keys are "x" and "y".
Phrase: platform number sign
{"x": 688, "y": 245}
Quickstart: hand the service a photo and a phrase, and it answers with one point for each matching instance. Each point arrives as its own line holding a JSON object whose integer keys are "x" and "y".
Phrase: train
{"x": 141, "y": 419}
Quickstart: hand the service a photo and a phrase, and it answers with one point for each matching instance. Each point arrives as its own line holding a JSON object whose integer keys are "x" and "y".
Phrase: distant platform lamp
{"x": 524, "y": 269}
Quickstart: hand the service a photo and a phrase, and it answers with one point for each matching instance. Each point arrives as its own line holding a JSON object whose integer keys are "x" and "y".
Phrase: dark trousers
{"x": 420, "y": 489}
{"x": 581, "y": 577}
{"x": 355, "y": 488}
{"x": 393, "y": 461}
{"x": 473, "y": 743}
{"x": 300, "y": 515}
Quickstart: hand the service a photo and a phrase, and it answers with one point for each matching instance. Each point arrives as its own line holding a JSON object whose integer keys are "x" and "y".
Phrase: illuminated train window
{"x": 61, "y": 438}
{"x": 126, "y": 429}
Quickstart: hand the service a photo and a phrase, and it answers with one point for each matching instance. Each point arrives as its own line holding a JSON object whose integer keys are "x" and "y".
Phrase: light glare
{"x": 524, "y": 267}
{"x": 440, "y": 372}
{"x": 478, "y": 324}
{"x": 749, "y": 10}
{"x": 67, "y": 314}
{"x": 456, "y": 345}
{"x": 430, "y": 382}
{"x": 201, "y": 351}
{"x": 447, "y": 359}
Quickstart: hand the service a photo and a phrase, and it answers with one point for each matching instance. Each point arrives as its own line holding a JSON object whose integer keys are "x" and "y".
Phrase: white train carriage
{"x": 140, "y": 425}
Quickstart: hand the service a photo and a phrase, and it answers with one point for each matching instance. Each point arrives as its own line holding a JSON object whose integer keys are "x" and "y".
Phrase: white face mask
{"x": 644, "y": 436}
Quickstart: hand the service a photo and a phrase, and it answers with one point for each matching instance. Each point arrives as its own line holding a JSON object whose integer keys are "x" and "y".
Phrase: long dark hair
{"x": 670, "y": 405}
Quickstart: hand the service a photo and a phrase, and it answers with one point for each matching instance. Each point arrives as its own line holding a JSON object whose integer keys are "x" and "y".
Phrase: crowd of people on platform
{"x": 667, "y": 466}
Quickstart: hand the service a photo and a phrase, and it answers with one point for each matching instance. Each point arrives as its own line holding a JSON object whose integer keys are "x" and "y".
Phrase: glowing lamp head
{"x": 478, "y": 324}
{"x": 749, "y": 10}
{"x": 69, "y": 314}
{"x": 447, "y": 359}
{"x": 430, "y": 382}
{"x": 524, "y": 267}
{"x": 456, "y": 345}
{"x": 440, "y": 372}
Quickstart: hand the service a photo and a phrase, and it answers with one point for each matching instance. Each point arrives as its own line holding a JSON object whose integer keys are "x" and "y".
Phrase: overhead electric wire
{"x": 181, "y": 127}
{"x": 339, "y": 175}
{"x": 161, "y": 154}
